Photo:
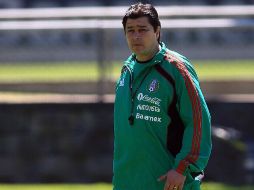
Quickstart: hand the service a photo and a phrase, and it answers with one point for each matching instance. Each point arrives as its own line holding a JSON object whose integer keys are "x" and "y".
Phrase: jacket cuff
{"x": 182, "y": 167}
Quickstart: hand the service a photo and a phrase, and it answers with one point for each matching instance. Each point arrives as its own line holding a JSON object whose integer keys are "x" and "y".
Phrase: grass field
{"x": 51, "y": 72}
{"x": 102, "y": 186}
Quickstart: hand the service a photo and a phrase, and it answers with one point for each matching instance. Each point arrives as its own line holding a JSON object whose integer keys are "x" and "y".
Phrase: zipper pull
{"x": 131, "y": 119}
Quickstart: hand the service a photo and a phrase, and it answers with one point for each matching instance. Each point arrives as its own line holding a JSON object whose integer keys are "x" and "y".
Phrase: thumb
{"x": 161, "y": 178}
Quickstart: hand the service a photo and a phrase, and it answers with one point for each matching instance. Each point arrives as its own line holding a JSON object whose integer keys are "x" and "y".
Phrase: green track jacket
{"x": 161, "y": 122}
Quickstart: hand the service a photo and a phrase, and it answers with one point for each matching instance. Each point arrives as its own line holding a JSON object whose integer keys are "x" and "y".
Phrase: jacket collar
{"x": 131, "y": 61}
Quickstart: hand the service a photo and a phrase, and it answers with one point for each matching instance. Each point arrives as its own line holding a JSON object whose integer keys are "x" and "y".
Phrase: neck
{"x": 150, "y": 55}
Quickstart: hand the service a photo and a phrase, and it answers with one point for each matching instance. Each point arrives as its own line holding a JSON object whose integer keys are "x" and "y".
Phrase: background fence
{"x": 80, "y": 33}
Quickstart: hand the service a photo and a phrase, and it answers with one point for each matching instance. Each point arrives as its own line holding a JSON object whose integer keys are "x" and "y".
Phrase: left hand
{"x": 174, "y": 180}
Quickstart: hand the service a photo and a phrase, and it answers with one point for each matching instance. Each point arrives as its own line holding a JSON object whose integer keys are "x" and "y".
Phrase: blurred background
{"x": 59, "y": 60}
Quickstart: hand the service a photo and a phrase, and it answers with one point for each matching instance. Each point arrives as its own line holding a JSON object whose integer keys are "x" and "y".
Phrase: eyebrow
{"x": 140, "y": 26}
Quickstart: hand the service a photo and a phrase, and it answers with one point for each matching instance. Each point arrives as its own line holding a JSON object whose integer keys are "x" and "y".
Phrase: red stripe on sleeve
{"x": 197, "y": 113}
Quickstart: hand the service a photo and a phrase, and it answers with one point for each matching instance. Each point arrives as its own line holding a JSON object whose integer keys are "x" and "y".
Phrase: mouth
{"x": 137, "y": 45}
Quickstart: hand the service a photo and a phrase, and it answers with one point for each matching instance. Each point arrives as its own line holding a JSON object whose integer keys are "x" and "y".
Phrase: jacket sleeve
{"x": 196, "y": 144}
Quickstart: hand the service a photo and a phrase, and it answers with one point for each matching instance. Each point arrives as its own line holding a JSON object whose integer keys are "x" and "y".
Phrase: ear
{"x": 158, "y": 31}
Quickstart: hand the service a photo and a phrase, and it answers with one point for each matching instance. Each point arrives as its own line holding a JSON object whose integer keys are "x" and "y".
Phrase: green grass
{"x": 48, "y": 72}
{"x": 77, "y": 71}
{"x": 220, "y": 186}
{"x": 225, "y": 70}
{"x": 99, "y": 186}
{"x": 103, "y": 186}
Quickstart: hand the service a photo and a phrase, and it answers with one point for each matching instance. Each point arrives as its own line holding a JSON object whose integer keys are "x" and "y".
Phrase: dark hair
{"x": 143, "y": 10}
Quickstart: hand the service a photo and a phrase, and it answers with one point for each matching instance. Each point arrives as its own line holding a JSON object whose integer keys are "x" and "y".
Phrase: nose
{"x": 136, "y": 35}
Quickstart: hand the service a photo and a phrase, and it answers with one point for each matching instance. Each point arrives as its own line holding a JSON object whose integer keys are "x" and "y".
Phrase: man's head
{"x": 142, "y": 30}
{"x": 142, "y": 10}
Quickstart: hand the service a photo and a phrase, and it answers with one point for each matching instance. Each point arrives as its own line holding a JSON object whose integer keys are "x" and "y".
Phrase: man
{"x": 161, "y": 121}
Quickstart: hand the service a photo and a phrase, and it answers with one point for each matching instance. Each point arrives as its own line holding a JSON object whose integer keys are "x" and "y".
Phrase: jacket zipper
{"x": 131, "y": 117}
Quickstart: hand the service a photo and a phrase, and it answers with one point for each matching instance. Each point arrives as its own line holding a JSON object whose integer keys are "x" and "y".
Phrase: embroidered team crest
{"x": 154, "y": 85}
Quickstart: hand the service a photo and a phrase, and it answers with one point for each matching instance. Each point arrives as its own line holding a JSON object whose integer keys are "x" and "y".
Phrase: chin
{"x": 138, "y": 51}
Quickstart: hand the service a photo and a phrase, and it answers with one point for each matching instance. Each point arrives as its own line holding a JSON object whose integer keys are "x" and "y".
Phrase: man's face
{"x": 141, "y": 37}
